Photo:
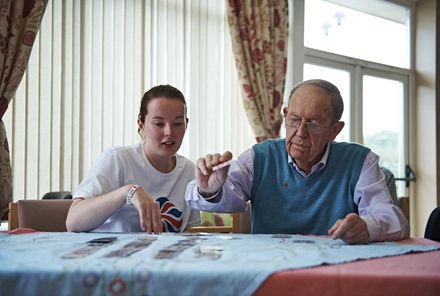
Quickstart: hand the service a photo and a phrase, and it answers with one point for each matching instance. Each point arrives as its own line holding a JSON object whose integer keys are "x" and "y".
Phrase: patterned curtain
{"x": 259, "y": 31}
{"x": 19, "y": 23}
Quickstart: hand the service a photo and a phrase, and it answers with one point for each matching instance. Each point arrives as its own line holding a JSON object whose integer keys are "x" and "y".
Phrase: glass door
{"x": 374, "y": 111}
{"x": 383, "y": 122}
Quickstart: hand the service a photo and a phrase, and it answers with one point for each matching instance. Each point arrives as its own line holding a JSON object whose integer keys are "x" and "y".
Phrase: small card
{"x": 209, "y": 252}
{"x": 194, "y": 234}
{"x": 303, "y": 241}
{"x": 222, "y": 165}
{"x": 91, "y": 247}
{"x": 102, "y": 240}
{"x": 177, "y": 248}
{"x": 82, "y": 252}
{"x": 130, "y": 248}
{"x": 281, "y": 235}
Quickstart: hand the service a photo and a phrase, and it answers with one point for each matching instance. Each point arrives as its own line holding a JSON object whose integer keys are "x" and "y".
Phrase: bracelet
{"x": 131, "y": 193}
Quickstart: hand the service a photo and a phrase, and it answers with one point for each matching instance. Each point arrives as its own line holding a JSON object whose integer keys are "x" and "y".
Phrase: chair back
{"x": 58, "y": 195}
{"x": 44, "y": 215}
{"x": 245, "y": 221}
{"x": 432, "y": 230}
{"x": 391, "y": 183}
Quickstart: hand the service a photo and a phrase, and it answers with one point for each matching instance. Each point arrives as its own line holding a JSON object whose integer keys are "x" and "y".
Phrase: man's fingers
{"x": 210, "y": 160}
{"x": 344, "y": 226}
{"x": 226, "y": 156}
{"x": 334, "y": 227}
{"x": 352, "y": 230}
{"x": 201, "y": 166}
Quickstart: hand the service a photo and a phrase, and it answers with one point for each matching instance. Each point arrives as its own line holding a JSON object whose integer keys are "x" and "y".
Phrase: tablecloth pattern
{"x": 32, "y": 264}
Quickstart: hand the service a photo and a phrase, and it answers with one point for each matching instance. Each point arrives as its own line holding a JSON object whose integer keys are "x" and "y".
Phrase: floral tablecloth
{"x": 166, "y": 264}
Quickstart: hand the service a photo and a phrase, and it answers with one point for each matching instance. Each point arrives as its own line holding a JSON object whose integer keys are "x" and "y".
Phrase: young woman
{"x": 141, "y": 187}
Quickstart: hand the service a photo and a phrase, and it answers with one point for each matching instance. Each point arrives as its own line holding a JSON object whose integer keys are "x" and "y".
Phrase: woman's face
{"x": 164, "y": 127}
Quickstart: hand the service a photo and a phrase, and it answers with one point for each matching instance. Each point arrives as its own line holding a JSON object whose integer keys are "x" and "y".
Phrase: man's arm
{"x": 232, "y": 196}
{"x": 384, "y": 220}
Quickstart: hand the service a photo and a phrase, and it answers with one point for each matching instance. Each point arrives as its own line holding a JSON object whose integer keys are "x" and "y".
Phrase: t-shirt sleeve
{"x": 103, "y": 176}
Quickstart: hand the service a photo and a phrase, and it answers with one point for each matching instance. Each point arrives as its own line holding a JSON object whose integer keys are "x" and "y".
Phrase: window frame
{"x": 357, "y": 68}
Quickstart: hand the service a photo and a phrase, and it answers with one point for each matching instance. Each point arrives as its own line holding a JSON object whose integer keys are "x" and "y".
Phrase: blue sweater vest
{"x": 285, "y": 202}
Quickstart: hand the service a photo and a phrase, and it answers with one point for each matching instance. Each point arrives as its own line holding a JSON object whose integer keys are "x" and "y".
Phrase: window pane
{"x": 382, "y": 121}
{"x": 370, "y": 30}
{"x": 342, "y": 81}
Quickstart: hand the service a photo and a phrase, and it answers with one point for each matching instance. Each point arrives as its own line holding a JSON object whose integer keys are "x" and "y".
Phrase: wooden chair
{"x": 41, "y": 215}
{"x": 50, "y": 215}
{"x": 241, "y": 223}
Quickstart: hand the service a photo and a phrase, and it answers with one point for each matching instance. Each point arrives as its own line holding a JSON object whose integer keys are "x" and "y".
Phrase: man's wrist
{"x": 207, "y": 195}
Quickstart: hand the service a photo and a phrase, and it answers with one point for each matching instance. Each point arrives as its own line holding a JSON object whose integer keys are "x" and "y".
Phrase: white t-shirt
{"x": 119, "y": 166}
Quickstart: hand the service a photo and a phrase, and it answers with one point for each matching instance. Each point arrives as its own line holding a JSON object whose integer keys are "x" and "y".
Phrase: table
{"x": 408, "y": 275}
{"x": 217, "y": 264}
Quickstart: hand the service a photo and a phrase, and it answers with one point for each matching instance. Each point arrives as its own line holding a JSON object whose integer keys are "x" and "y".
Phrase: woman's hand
{"x": 149, "y": 211}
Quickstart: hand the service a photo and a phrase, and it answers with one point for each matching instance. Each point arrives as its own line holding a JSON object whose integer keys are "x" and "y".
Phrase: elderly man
{"x": 306, "y": 183}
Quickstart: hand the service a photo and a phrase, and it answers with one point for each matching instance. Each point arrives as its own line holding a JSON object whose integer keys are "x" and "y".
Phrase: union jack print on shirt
{"x": 171, "y": 216}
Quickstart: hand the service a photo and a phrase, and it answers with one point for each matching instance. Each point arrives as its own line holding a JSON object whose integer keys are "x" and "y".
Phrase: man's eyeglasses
{"x": 295, "y": 123}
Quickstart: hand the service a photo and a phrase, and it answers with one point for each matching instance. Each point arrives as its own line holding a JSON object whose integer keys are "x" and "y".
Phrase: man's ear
{"x": 337, "y": 128}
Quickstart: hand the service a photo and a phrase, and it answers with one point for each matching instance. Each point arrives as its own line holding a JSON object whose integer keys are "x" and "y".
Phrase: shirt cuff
{"x": 373, "y": 229}
{"x": 208, "y": 198}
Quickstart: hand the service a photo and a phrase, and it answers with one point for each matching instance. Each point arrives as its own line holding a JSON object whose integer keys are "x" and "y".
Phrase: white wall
{"x": 423, "y": 197}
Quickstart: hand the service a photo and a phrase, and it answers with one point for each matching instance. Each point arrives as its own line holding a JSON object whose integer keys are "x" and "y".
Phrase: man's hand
{"x": 352, "y": 230}
{"x": 209, "y": 181}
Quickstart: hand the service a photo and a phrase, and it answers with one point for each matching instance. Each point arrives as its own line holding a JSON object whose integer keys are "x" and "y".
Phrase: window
{"x": 383, "y": 128}
{"x": 370, "y": 30}
{"x": 363, "y": 48}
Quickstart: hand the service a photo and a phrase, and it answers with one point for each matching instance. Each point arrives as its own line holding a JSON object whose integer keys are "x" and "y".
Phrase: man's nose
{"x": 302, "y": 129}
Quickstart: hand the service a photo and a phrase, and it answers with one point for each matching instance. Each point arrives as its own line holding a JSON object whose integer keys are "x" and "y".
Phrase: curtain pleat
{"x": 92, "y": 63}
{"x": 259, "y": 31}
{"x": 19, "y": 24}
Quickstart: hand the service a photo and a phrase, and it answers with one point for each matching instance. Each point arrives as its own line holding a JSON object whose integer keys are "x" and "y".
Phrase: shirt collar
{"x": 319, "y": 166}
